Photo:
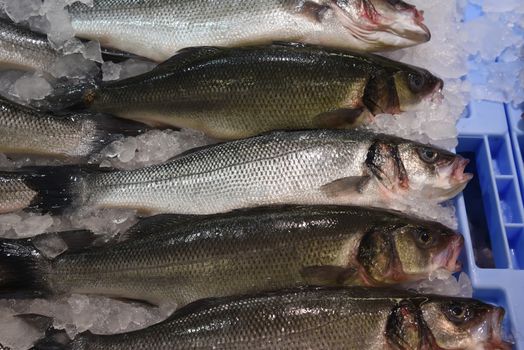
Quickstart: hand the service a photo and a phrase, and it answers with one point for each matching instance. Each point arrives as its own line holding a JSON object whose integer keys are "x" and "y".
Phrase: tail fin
{"x": 54, "y": 340}
{"x": 22, "y": 269}
{"x": 43, "y": 189}
{"x": 105, "y": 129}
{"x": 68, "y": 96}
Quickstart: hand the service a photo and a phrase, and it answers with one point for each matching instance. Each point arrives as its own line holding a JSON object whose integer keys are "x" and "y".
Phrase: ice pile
{"x": 75, "y": 314}
{"x": 490, "y": 46}
{"x": 126, "y": 69}
{"x": 153, "y": 147}
{"x": 442, "y": 282}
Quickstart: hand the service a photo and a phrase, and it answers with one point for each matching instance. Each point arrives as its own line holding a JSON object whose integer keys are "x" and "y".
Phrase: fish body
{"x": 158, "y": 28}
{"x": 24, "y": 130}
{"x": 173, "y": 258}
{"x": 23, "y": 49}
{"x": 299, "y": 167}
{"x": 355, "y": 318}
{"x": 231, "y": 93}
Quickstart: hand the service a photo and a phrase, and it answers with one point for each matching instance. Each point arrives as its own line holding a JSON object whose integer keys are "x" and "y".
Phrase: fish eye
{"x": 428, "y": 155}
{"x": 416, "y": 82}
{"x": 424, "y": 238}
{"x": 393, "y": 2}
{"x": 457, "y": 312}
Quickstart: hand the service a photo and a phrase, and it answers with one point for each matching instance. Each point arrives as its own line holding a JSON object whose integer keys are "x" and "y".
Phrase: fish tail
{"x": 56, "y": 340}
{"x": 111, "y": 128}
{"x": 42, "y": 189}
{"x": 68, "y": 97}
{"x": 107, "y": 129}
{"x": 22, "y": 269}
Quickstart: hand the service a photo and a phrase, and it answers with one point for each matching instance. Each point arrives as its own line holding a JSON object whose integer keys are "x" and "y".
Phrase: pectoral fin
{"x": 340, "y": 118}
{"x": 327, "y": 275}
{"x": 345, "y": 186}
{"x": 313, "y": 10}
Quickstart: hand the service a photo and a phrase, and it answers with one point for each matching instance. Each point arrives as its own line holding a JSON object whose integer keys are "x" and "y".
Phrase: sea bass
{"x": 231, "y": 93}
{"x": 156, "y": 29}
{"x": 315, "y": 318}
{"x": 185, "y": 258}
{"x": 24, "y": 130}
{"x": 294, "y": 167}
{"x": 23, "y": 49}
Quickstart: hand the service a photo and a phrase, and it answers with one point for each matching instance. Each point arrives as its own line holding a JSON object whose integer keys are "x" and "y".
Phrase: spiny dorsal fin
{"x": 155, "y": 225}
{"x": 189, "y": 55}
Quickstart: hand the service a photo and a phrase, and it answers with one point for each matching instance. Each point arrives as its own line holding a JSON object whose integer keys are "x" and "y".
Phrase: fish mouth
{"x": 458, "y": 176}
{"x": 453, "y": 264}
{"x": 384, "y": 24}
{"x": 448, "y": 259}
{"x": 400, "y": 19}
{"x": 496, "y": 342}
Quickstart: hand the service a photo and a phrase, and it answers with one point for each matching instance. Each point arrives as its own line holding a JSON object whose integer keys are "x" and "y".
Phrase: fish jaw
{"x": 384, "y": 26}
{"x": 448, "y": 259}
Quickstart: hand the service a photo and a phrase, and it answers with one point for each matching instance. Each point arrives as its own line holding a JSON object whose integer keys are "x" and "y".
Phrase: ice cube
{"x": 50, "y": 245}
{"x": 15, "y": 333}
{"x": 111, "y": 71}
{"x": 74, "y": 66}
{"x": 20, "y": 10}
{"x": 31, "y": 86}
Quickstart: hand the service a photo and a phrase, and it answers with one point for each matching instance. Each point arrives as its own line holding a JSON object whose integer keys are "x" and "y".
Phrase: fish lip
{"x": 495, "y": 341}
{"x": 448, "y": 258}
{"x": 458, "y": 176}
{"x": 453, "y": 264}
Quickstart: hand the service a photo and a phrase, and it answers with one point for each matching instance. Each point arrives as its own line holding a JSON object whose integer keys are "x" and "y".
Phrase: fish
{"x": 157, "y": 29}
{"x": 184, "y": 258}
{"x": 231, "y": 93}
{"x": 75, "y": 136}
{"x": 287, "y": 167}
{"x": 314, "y": 318}
{"x": 23, "y": 49}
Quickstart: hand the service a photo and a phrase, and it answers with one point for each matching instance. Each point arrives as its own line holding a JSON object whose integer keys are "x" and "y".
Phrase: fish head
{"x": 460, "y": 323}
{"x": 399, "y": 88}
{"x": 414, "y": 84}
{"x": 422, "y": 249}
{"x": 431, "y": 172}
{"x": 409, "y": 251}
{"x": 382, "y": 24}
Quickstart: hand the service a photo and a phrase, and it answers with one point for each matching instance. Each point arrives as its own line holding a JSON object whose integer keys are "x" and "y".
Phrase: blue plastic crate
{"x": 490, "y": 212}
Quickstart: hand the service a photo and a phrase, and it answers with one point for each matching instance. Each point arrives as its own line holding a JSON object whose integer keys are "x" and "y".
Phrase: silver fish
{"x": 297, "y": 167}
{"x": 156, "y": 29}
{"x": 312, "y": 318}
{"x": 23, "y": 49}
{"x": 24, "y": 130}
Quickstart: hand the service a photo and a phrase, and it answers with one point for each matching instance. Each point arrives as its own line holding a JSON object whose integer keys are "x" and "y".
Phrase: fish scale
{"x": 269, "y": 169}
{"x": 22, "y": 49}
{"x": 185, "y": 258}
{"x": 232, "y": 93}
{"x": 158, "y": 28}
{"x": 24, "y": 130}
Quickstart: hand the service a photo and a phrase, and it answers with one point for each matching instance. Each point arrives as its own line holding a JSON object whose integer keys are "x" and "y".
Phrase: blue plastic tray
{"x": 490, "y": 213}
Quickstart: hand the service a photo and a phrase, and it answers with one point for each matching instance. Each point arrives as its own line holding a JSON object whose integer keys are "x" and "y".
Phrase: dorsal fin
{"x": 154, "y": 225}
{"x": 189, "y": 55}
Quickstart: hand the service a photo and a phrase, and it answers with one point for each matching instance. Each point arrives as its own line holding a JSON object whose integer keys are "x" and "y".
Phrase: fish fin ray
{"x": 327, "y": 275}
{"x": 189, "y": 55}
{"x": 340, "y": 118}
{"x": 345, "y": 185}
{"x": 154, "y": 224}
{"x": 313, "y": 11}
{"x": 21, "y": 269}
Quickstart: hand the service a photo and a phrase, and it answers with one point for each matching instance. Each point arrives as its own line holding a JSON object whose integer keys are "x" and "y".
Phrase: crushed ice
{"x": 497, "y": 63}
